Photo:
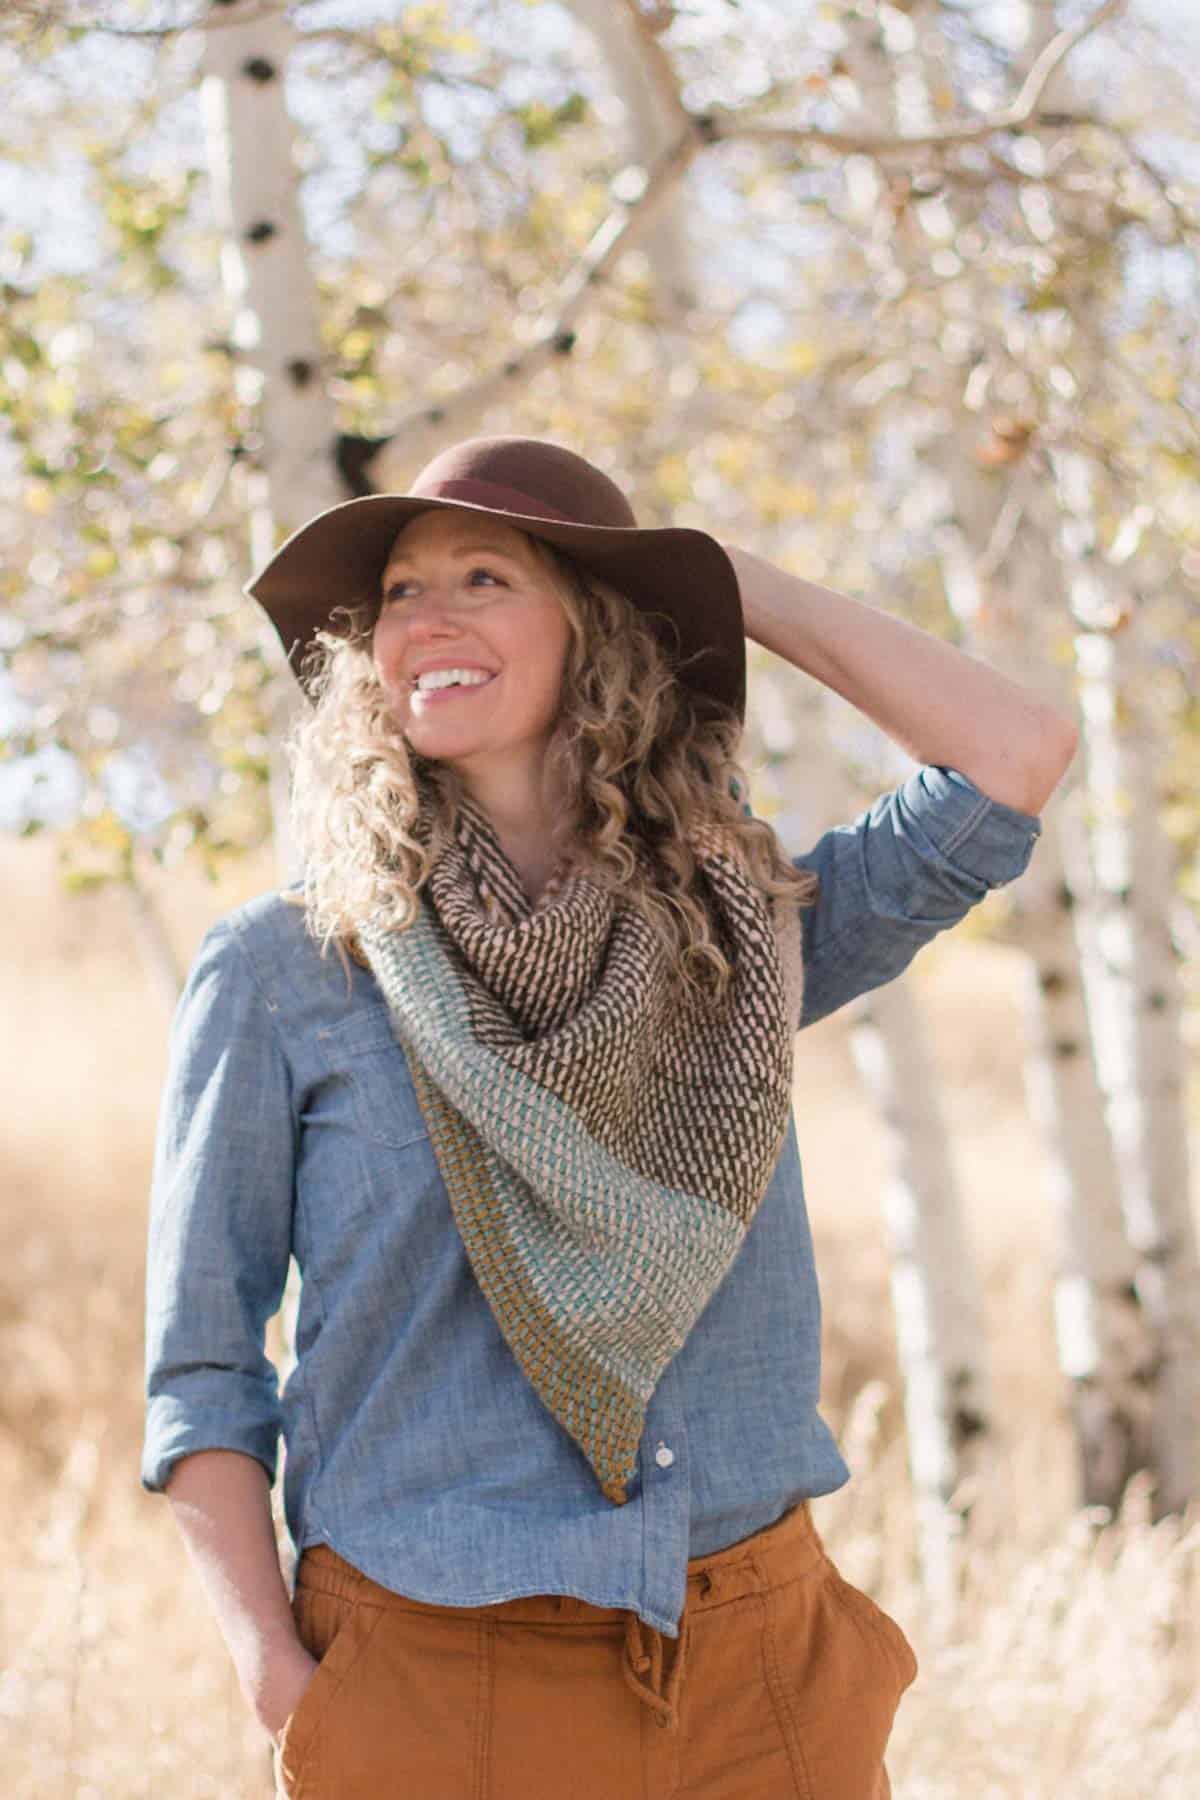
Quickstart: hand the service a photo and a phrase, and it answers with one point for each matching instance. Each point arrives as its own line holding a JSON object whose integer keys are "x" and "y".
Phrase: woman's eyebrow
{"x": 459, "y": 550}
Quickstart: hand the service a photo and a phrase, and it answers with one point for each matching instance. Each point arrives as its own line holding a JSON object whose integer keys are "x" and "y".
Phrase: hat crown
{"x": 525, "y": 476}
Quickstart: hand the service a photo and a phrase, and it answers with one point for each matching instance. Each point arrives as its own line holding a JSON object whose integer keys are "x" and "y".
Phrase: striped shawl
{"x": 604, "y": 1141}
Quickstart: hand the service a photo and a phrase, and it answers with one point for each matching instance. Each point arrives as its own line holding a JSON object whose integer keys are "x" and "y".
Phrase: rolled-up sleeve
{"x": 910, "y": 866}
{"x": 220, "y": 1222}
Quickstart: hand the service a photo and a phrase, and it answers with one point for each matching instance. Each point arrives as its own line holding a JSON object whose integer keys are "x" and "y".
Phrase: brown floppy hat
{"x": 681, "y": 574}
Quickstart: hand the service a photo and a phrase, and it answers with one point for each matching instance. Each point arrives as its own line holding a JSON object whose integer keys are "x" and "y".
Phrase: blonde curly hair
{"x": 643, "y": 760}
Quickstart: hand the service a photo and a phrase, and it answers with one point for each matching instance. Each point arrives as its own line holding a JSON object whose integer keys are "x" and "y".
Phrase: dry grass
{"x": 1073, "y": 1673}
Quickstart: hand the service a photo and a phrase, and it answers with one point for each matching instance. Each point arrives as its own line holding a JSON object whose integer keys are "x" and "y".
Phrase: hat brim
{"x": 681, "y": 574}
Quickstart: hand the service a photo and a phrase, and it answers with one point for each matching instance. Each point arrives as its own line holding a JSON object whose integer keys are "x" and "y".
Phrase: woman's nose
{"x": 431, "y": 621}
{"x": 425, "y": 608}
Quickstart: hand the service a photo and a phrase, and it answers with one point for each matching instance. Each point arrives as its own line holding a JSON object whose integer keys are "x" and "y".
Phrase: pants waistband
{"x": 788, "y": 1550}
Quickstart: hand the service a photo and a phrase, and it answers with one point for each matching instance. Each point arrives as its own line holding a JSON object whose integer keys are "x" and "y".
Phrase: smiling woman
{"x": 583, "y": 749}
{"x": 555, "y": 1411}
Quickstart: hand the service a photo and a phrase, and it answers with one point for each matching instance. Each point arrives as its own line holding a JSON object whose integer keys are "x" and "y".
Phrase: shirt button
{"x": 664, "y": 1457}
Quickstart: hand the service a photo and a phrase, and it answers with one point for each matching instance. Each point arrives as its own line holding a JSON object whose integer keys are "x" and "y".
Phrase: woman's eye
{"x": 399, "y": 589}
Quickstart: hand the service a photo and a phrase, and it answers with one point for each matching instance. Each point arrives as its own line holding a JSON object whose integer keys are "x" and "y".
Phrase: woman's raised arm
{"x": 936, "y": 702}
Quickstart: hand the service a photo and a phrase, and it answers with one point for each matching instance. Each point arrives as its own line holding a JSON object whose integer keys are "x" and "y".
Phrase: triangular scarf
{"x": 605, "y": 1139}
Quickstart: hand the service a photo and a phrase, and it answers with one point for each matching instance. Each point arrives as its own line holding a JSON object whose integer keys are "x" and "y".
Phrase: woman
{"x": 553, "y": 1426}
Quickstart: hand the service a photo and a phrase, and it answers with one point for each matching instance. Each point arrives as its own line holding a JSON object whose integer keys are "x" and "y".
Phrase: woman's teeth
{"x": 430, "y": 695}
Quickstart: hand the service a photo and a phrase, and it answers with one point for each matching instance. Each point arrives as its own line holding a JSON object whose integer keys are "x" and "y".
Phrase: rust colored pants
{"x": 782, "y": 1685}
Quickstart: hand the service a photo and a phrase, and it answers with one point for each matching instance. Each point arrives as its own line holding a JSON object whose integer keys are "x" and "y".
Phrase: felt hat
{"x": 680, "y": 577}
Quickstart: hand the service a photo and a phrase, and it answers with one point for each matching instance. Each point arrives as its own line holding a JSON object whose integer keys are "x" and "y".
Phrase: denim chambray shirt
{"x": 414, "y": 1445}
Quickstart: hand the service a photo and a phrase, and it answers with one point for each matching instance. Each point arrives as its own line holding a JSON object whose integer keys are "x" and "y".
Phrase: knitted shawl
{"x": 605, "y": 1140}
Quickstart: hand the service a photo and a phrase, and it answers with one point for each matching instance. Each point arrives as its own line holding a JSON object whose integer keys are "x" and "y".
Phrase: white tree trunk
{"x": 1135, "y": 996}
{"x": 1104, "y": 1346}
{"x": 265, "y": 265}
{"x": 280, "y": 370}
{"x": 1000, "y": 578}
{"x": 1131, "y": 974}
{"x": 936, "y": 1292}
{"x": 646, "y": 86}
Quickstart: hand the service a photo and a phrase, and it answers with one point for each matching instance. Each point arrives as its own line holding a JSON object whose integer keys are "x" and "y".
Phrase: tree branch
{"x": 623, "y": 227}
{"x": 723, "y": 124}
{"x": 658, "y": 63}
{"x": 212, "y": 18}
{"x": 629, "y": 221}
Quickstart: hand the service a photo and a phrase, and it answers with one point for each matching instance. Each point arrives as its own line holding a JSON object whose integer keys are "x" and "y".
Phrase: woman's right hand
{"x": 285, "y": 1675}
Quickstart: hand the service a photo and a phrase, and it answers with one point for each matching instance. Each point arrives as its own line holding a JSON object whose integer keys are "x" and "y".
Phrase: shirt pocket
{"x": 369, "y": 1070}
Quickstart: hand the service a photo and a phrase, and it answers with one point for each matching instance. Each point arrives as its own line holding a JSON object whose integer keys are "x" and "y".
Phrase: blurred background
{"x": 899, "y": 295}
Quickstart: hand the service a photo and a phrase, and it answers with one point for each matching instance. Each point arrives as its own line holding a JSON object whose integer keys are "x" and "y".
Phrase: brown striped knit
{"x": 605, "y": 1135}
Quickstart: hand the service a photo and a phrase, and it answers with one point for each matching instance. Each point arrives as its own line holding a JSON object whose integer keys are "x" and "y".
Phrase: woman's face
{"x": 466, "y": 591}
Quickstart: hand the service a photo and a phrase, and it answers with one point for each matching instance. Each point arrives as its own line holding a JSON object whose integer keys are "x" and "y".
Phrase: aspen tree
{"x": 1001, "y": 574}
{"x": 290, "y": 473}
{"x": 936, "y": 1290}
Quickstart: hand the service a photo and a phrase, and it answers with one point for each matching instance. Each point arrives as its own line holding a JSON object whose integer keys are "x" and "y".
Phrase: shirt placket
{"x": 653, "y": 1664}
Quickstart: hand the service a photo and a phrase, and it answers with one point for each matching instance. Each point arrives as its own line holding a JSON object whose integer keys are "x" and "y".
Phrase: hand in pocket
{"x": 286, "y": 1677}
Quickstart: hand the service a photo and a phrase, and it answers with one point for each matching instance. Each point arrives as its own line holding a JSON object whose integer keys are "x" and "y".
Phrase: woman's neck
{"x": 534, "y": 859}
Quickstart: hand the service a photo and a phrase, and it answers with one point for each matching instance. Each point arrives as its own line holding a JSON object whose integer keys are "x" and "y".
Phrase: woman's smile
{"x": 421, "y": 699}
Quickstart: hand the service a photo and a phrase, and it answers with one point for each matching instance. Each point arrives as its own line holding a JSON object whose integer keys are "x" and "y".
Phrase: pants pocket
{"x": 335, "y": 1631}
{"x": 872, "y": 1615}
{"x": 838, "y": 1666}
